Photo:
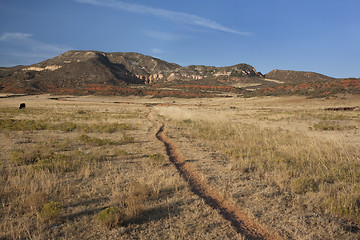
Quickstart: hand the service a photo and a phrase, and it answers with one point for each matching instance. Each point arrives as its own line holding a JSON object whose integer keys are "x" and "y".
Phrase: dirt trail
{"x": 240, "y": 221}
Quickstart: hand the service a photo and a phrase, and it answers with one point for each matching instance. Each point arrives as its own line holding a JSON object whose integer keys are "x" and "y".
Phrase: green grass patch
{"x": 34, "y": 125}
{"x": 331, "y": 126}
{"x": 53, "y": 158}
{"x": 94, "y": 141}
{"x": 22, "y": 125}
{"x": 106, "y": 127}
{"x": 71, "y": 162}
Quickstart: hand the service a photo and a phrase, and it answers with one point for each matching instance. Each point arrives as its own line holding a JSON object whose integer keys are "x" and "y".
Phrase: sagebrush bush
{"x": 51, "y": 212}
{"x": 302, "y": 185}
{"x": 111, "y": 217}
{"x": 121, "y": 152}
{"x": 157, "y": 159}
{"x": 96, "y": 141}
{"x": 81, "y": 111}
{"x": 127, "y": 139}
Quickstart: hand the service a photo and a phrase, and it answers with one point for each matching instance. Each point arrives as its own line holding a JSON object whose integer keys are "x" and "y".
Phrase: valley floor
{"x": 287, "y": 168}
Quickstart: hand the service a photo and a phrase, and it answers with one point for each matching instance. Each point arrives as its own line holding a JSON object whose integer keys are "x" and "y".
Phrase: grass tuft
{"x": 111, "y": 217}
{"x": 94, "y": 141}
{"x": 136, "y": 198}
{"x": 157, "y": 159}
{"x": 34, "y": 202}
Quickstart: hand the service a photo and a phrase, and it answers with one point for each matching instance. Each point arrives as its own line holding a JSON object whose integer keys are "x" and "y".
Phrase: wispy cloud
{"x": 22, "y": 48}
{"x": 182, "y": 17}
{"x": 156, "y": 50}
{"x": 166, "y": 36}
{"x": 15, "y": 36}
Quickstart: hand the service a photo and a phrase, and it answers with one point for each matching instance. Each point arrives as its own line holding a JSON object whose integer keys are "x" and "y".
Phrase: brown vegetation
{"x": 92, "y": 167}
{"x": 72, "y": 173}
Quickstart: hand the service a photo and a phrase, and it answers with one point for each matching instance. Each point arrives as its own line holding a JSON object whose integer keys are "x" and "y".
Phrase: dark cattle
{"x": 22, "y": 105}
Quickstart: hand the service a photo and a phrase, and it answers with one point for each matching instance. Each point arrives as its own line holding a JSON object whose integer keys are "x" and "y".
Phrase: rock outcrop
{"x": 78, "y": 69}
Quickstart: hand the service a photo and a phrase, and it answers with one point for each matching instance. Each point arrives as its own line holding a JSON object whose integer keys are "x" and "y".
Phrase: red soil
{"x": 239, "y": 220}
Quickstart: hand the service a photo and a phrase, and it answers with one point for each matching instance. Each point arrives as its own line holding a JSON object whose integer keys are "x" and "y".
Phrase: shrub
{"x": 81, "y": 111}
{"x": 66, "y": 126}
{"x": 95, "y": 141}
{"x": 51, "y": 212}
{"x": 121, "y": 152}
{"x": 127, "y": 139}
{"x": 21, "y": 157}
{"x": 105, "y": 127}
{"x": 56, "y": 163}
{"x": 111, "y": 217}
{"x": 137, "y": 195}
{"x": 302, "y": 185}
{"x": 157, "y": 159}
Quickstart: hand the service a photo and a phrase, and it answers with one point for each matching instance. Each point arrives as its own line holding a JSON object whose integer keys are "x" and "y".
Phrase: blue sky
{"x": 308, "y": 35}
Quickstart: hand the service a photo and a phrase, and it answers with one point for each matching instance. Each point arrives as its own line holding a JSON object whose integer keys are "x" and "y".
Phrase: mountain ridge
{"x": 75, "y": 69}
{"x": 89, "y": 72}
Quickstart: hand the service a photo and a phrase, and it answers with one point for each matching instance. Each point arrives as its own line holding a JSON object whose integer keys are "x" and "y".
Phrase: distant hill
{"x": 296, "y": 76}
{"x": 308, "y": 83}
{"x": 119, "y": 73}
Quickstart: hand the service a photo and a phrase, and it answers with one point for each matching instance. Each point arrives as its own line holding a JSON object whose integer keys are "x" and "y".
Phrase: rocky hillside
{"x": 79, "y": 70}
{"x": 94, "y": 72}
{"x": 296, "y": 76}
{"x": 307, "y": 83}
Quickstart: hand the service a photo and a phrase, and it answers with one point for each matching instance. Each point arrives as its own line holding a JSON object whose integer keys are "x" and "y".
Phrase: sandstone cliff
{"x": 78, "y": 69}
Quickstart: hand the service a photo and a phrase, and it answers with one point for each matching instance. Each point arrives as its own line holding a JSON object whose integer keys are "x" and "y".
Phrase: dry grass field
{"x": 94, "y": 167}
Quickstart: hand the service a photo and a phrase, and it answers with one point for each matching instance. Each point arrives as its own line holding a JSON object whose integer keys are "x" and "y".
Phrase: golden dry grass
{"x": 282, "y": 171}
{"x": 92, "y": 154}
{"x": 88, "y": 170}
